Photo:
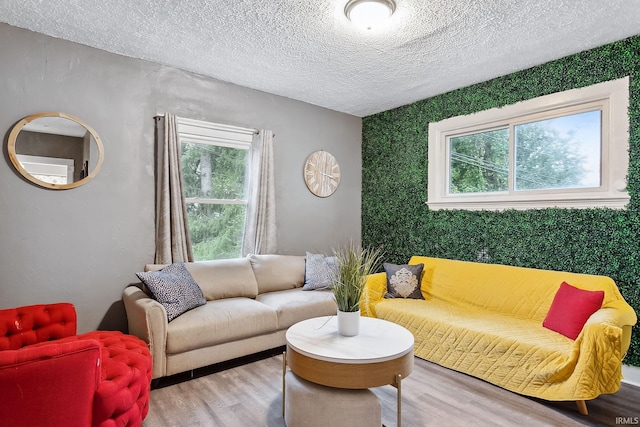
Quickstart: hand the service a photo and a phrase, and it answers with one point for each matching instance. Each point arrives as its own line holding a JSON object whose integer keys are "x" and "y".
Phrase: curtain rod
{"x": 161, "y": 115}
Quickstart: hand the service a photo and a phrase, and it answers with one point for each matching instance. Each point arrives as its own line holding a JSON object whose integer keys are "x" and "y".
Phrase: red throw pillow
{"x": 571, "y": 308}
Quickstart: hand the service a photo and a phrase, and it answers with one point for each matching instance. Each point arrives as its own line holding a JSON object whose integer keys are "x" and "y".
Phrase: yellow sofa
{"x": 486, "y": 320}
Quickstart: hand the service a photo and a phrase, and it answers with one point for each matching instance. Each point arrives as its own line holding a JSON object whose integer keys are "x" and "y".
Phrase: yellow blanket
{"x": 486, "y": 320}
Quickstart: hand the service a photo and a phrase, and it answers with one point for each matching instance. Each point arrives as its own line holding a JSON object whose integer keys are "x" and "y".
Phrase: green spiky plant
{"x": 354, "y": 265}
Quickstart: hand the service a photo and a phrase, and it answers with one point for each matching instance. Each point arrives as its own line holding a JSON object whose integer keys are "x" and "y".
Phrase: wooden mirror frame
{"x": 13, "y": 156}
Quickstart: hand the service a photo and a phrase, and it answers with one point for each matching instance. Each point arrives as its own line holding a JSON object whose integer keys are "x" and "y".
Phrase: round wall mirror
{"x": 55, "y": 150}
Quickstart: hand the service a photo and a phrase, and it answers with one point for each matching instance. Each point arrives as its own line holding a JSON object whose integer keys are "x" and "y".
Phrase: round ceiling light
{"x": 368, "y": 13}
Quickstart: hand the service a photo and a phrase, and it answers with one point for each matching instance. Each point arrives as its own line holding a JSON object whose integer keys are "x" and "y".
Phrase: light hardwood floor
{"x": 248, "y": 393}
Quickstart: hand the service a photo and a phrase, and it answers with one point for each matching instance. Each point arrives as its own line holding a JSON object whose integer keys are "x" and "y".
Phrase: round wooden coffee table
{"x": 381, "y": 354}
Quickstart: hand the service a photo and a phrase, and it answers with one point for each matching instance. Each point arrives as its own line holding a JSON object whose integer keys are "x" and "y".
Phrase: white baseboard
{"x": 631, "y": 375}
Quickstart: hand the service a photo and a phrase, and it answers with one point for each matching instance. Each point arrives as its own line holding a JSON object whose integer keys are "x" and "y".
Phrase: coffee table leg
{"x": 399, "y": 406}
{"x": 284, "y": 372}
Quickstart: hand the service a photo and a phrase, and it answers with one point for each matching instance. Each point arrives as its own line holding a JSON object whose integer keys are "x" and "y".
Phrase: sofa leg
{"x": 582, "y": 407}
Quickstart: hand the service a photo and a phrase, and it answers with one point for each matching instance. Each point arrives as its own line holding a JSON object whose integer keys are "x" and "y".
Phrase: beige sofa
{"x": 250, "y": 304}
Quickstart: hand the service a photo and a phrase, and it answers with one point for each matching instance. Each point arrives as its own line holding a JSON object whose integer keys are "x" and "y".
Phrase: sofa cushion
{"x": 174, "y": 288}
{"x": 518, "y": 354}
{"x": 294, "y": 305}
{"x": 220, "y": 321}
{"x": 277, "y": 272}
{"x": 571, "y": 308}
{"x": 222, "y": 278}
{"x": 403, "y": 281}
{"x": 319, "y": 271}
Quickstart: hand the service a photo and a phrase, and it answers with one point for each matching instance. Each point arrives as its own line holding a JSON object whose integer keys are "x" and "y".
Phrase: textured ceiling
{"x": 308, "y": 50}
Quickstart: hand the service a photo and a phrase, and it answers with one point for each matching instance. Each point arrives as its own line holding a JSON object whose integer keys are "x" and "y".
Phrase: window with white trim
{"x": 567, "y": 149}
{"x": 215, "y": 172}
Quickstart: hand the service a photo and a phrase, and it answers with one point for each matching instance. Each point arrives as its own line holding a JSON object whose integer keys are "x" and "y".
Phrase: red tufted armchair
{"x": 49, "y": 376}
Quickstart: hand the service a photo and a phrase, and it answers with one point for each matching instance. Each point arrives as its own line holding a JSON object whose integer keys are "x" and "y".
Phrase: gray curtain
{"x": 260, "y": 224}
{"x": 173, "y": 243}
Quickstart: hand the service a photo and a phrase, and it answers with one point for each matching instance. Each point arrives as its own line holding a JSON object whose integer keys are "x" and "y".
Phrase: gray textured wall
{"x": 84, "y": 245}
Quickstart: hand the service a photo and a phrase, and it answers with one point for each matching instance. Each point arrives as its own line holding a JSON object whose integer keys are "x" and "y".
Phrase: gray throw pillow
{"x": 174, "y": 288}
{"x": 403, "y": 281}
{"x": 319, "y": 270}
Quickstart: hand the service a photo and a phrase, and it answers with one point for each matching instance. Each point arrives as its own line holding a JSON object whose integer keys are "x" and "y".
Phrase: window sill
{"x": 580, "y": 202}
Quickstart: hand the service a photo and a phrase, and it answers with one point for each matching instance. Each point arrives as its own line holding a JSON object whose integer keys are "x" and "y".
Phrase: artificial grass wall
{"x": 594, "y": 241}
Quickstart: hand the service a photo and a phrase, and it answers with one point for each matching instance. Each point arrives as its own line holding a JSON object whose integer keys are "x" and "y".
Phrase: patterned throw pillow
{"x": 174, "y": 288}
{"x": 319, "y": 271}
{"x": 403, "y": 281}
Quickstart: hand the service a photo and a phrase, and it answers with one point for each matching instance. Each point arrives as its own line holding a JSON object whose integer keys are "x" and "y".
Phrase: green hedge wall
{"x": 594, "y": 241}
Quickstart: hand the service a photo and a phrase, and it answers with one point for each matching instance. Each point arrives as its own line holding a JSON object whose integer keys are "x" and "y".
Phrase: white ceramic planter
{"x": 348, "y": 323}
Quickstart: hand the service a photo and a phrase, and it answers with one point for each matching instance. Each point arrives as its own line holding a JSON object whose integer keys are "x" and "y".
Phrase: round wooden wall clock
{"x": 322, "y": 173}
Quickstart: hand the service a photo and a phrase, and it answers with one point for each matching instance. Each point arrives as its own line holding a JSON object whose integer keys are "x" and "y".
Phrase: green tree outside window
{"x": 562, "y": 152}
{"x": 215, "y": 188}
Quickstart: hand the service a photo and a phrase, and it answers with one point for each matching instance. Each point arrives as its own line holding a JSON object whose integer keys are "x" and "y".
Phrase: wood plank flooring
{"x": 248, "y": 393}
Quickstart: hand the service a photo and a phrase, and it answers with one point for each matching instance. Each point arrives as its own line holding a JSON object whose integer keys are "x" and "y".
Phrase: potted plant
{"x": 354, "y": 265}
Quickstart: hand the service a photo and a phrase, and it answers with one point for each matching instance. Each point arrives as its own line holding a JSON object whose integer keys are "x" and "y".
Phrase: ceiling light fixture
{"x": 369, "y": 13}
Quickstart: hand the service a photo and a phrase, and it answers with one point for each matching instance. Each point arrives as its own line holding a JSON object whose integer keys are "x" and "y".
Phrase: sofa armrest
{"x": 373, "y": 292}
{"x": 599, "y": 350}
{"x": 51, "y": 383}
{"x": 147, "y": 320}
{"x": 616, "y": 314}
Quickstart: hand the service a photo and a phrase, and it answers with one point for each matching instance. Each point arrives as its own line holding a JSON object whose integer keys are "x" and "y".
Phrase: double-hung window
{"x": 215, "y": 171}
{"x": 568, "y": 149}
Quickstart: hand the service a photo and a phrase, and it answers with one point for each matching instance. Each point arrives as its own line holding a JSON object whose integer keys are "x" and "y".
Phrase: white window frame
{"x": 43, "y": 167}
{"x": 611, "y": 97}
{"x": 220, "y": 135}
